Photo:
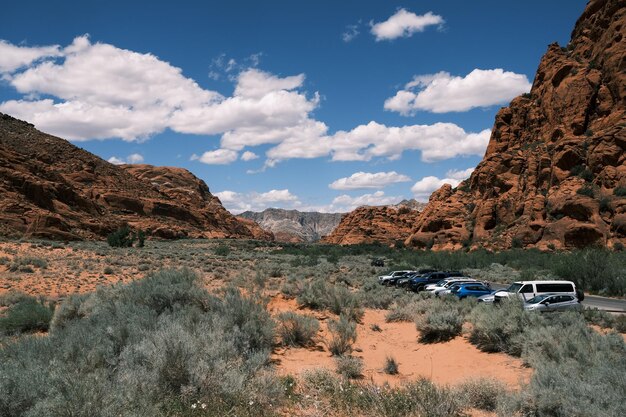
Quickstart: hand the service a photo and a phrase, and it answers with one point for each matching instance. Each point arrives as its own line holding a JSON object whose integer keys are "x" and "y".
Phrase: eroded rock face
{"x": 293, "y": 225}
{"x": 389, "y": 225}
{"x": 53, "y": 189}
{"x": 556, "y": 161}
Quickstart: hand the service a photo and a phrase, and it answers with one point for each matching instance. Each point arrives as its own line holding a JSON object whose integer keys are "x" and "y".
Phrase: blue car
{"x": 469, "y": 289}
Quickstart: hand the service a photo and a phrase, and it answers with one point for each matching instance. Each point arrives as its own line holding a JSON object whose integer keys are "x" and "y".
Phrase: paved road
{"x": 591, "y": 301}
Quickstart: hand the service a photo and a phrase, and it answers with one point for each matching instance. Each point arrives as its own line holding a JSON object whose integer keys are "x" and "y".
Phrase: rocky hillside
{"x": 389, "y": 225}
{"x": 554, "y": 173}
{"x": 294, "y": 226}
{"x": 53, "y": 189}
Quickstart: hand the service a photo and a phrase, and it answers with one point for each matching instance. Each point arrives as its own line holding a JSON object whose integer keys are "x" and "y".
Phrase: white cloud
{"x": 460, "y": 174}
{"x": 248, "y": 156}
{"x": 116, "y": 161}
{"x": 134, "y": 158}
{"x": 404, "y": 24}
{"x": 351, "y": 32}
{"x": 436, "y": 142}
{"x": 217, "y": 157}
{"x": 344, "y": 203}
{"x": 14, "y": 57}
{"x": 99, "y": 91}
{"x": 442, "y": 92}
{"x": 425, "y": 187}
{"x": 254, "y": 201}
{"x": 360, "y": 180}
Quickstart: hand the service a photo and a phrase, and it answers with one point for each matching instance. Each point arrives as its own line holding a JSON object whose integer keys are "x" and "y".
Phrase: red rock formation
{"x": 554, "y": 173}
{"x": 388, "y": 225}
{"x": 53, "y": 189}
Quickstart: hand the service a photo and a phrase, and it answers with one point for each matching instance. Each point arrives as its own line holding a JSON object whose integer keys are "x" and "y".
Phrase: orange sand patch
{"x": 444, "y": 363}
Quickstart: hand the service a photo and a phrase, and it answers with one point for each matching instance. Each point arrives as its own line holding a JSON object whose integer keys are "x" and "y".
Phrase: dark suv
{"x": 417, "y": 284}
{"x": 404, "y": 281}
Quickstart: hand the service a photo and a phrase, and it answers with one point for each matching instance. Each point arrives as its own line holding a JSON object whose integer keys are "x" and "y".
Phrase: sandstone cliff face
{"x": 388, "y": 225}
{"x": 53, "y": 189}
{"x": 294, "y": 226}
{"x": 554, "y": 173}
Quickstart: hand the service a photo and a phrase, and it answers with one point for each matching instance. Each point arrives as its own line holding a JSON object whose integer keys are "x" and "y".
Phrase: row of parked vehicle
{"x": 537, "y": 295}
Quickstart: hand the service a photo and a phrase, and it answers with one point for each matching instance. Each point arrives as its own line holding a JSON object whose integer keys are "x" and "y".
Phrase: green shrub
{"x": 28, "y": 315}
{"x": 152, "y": 347}
{"x": 586, "y": 190}
{"x": 349, "y": 366}
{"x": 221, "y": 250}
{"x": 296, "y": 330}
{"x": 391, "y": 366}
{"x": 481, "y": 394}
{"x": 320, "y": 295}
{"x": 121, "y": 238}
{"x": 439, "y": 326}
{"x": 619, "y": 191}
{"x": 500, "y": 328}
{"x": 577, "y": 372}
{"x": 343, "y": 335}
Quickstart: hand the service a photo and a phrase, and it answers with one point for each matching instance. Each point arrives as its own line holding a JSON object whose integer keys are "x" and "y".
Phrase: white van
{"x": 529, "y": 289}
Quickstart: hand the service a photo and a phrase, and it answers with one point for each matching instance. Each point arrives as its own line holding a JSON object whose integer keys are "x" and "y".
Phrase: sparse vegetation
{"x": 391, "y": 366}
{"x": 342, "y": 335}
{"x": 296, "y": 329}
{"x": 349, "y": 366}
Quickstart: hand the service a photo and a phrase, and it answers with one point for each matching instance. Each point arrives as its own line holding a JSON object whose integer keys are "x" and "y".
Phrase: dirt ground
{"x": 447, "y": 363}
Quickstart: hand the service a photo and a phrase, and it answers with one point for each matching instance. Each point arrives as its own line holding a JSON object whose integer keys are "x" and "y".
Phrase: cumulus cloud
{"x": 345, "y": 202}
{"x": 360, "y": 180}
{"x": 460, "y": 174}
{"x": 248, "y": 156}
{"x": 253, "y": 201}
{"x": 436, "y": 142}
{"x": 442, "y": 92}
{"x": 134, "y": 158}
{"x": 99, "y": 91}
{"x": 13, "y": 57}
{"x": 425, "y": 187}
{"x": 404, "y": 24}
{"x": 217, "y": 157}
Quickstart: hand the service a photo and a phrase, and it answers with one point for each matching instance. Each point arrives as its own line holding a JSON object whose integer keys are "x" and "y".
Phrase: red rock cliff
{"x": 53, "y": 189}
{"x": 554, "y": 173}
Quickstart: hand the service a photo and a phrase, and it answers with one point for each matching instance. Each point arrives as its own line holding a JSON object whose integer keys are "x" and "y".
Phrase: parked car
{"x": 418, "y": 283}
{"x": 526, "y": 290}
{"x": 404, "y": 281}
{"x": 392, "y": 277}
{"x": 442, "y": 284}
{"x": 469, "y": 289}
{"x": 553, "y": 302}
{"x": 378, "y": 262}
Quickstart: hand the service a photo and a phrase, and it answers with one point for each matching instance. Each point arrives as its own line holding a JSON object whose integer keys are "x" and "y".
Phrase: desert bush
{"x": 27, "y": 315}
{"x": 500, "y": 328}
{"x": 295, "y": 329}
{"x": 391, "y": 366}
{"x": 418, "y": 398}
{"x": 619, "y": 191}
{"x": 349, "y": 366}
{"x": 121, "y": 238}
{"x": 481, "y": 393}
{"x": 577, "y": 372}
{"x": 320, "y": 295}
{"x": 343, "y": 335}
{"x": 221, "y": 250}
{"x": 13, "y": 297}
{"x": 439, "y": 325}
{"x": 152, "y": 347}
{"x": 24, "y": 264}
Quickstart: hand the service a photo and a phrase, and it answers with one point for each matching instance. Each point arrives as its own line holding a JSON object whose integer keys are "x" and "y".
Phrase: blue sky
{"x": 319, "y": 105}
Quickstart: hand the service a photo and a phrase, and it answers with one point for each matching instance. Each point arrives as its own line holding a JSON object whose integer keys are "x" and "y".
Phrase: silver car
{"x": 552, "y": 302}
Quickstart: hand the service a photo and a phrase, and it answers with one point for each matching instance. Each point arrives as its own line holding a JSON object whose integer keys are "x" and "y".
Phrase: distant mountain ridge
{"x": 293, "y": 225}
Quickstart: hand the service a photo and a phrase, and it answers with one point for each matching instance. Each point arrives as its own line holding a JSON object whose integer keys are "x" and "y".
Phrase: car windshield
{"x": 514, "y": 287}
{"x": 455, "y": 288}
{"x": 441, "y": 283}
{"x": 537, "y": 299}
